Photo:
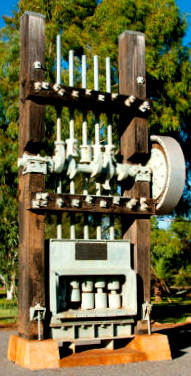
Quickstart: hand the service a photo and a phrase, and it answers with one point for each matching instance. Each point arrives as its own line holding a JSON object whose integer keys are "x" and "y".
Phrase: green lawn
{"x": 8, "y": 315}
{"x": 8, "y": 309}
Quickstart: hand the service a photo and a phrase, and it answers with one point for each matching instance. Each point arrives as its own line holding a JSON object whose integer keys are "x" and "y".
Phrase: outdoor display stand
{"x": 79, "y": 290}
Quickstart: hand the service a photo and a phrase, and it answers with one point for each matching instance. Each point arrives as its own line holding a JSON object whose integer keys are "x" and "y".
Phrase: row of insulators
{"x": 84, "y": 293}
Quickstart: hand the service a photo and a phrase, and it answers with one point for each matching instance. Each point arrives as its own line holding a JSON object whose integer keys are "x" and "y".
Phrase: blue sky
{"x": 184, "y": 5}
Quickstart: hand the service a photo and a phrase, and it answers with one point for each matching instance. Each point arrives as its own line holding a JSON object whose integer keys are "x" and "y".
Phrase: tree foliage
{"x": 171, "y": 255}
{"x": 93, "y": 27}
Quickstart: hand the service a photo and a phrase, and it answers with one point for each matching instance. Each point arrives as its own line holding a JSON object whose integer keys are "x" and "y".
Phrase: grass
{"x": 8, "y": 315}
{"x": 8, "y": 309}
{"x": 173, "y": 301}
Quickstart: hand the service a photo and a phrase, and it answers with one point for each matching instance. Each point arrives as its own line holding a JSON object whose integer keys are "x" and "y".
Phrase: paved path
{"x": 179, "y": 338}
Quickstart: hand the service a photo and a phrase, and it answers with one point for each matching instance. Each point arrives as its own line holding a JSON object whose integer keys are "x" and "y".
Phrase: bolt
{"x": 37, "y": 65}
{"x": 103, "y": 204}
{"x": 76, "y": 202}
{"x": 114, "y": 95}
{"x": 45, "y": 85}
{"x": 88, "y": 92}
{"x": 75, "y": 93}
{"x": 37, "y": 86}
{"x": 140, "y": 80}
{"x": 101, "y": 97}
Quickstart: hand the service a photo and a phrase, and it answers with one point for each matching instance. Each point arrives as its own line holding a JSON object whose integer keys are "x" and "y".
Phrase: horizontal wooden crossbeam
{"x": 86, "y": 99}
{"x": 91, "y": 204}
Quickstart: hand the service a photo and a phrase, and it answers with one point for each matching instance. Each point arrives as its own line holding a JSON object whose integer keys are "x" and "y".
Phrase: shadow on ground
{"x": 179, "y": 338}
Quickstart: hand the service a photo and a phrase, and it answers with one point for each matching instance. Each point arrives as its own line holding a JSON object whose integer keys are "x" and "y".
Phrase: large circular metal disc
{"x": 168, "y": 173}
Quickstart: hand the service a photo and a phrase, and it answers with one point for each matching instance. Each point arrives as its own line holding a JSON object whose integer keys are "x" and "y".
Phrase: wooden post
{"x": 31, "y": 131}
{"x": 134, "y": 147}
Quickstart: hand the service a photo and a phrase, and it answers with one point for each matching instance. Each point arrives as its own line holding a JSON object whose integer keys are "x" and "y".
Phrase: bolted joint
{"x": 37, "y": 65}
{"x": 140, "y": 80}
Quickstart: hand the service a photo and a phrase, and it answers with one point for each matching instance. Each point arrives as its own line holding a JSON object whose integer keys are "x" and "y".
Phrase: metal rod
{"x": 96, "y": 73}
{"x": 84, "y": 143}
{"x": 84, "y": 71}
{"x": 109, "y": 138}
{"x": 97, "y": 137}
{"x": 72, "y": 183}
{"x": 108, "y": 75}
{"x": 58, "y": 59}
{"x": 71, "y": 68}
{"x": 39, "y": 326}
{"x": 58, "y": 128}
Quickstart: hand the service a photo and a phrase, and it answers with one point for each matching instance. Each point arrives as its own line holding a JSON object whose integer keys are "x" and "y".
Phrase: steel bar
{"x": 72, "y": 183}
{"x": 84, "y": 143}
{"x": 58, "y": 128}
{"x": 97, "y": 136}
{"x": 109, "y": 138}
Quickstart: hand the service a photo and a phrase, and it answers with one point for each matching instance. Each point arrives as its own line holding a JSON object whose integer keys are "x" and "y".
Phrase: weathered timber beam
{"x": 135, "y": 147}
{"x": 31, "y": 225}
{"x": 65, "y": 202}
{"x": 86, "y": 99}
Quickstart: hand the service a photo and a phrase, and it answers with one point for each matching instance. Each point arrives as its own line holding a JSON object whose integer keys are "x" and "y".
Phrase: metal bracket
{"x": 35, "y": 164}
{"x": 41, "y": 200}
{"x": 146, "y": 314}
{"x": 37, "y": 313}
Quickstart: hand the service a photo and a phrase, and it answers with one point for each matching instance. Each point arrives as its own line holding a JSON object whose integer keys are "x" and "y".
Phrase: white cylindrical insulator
{"x": 75, "y": 284}
{"x": 87, "y": 285}
{"x": 114, "y": 300}
{"x": 75, "y": 295}
{"x": 100, "y": 300}
{"x": 86, "y": 154}
{"x": 100, "y": 283}
{"x": 71, "y": 147}
{"x": 113, "y": 284}
{"x": 87, "y": 300}
{"x": 75, "y": 291}
{"x": 96, "y": 150}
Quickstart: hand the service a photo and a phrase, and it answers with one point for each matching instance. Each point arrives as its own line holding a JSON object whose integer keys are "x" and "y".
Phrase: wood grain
{"x": 31, "y": 225}
{"x": 134, "y": 147}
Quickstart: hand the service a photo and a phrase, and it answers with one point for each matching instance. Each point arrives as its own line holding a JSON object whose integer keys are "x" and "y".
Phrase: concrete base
{"x": 33, "y": 354}
{"x": 45, "y": 354}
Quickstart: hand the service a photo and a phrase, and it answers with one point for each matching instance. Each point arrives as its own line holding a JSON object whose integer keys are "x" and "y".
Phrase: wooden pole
{"x": 134, "y": 148}
{"x": 31, "y": 133}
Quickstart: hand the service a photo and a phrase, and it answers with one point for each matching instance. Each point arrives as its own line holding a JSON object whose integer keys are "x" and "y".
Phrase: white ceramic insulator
{"x": 100, "y": 283}
{"x": 114, "y": 300}
{"x": 75, "y": 284}
{"x": 87, "y": 300}
{"x": 113, "y": 284}
{"x": 100, "y": 300}
{"x": 87, "y": 285}
{"x": 86, "y": 153}
{"x": 75, "y": 295}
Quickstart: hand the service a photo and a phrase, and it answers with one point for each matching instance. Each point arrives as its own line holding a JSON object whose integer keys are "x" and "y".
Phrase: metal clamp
{"x": 146, "y": 314}
{"x": 37, "y": 313}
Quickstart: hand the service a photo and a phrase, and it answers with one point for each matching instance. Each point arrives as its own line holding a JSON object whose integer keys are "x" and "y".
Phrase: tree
{"x": 171, "y": 257}
{"x": 90, "y": 26}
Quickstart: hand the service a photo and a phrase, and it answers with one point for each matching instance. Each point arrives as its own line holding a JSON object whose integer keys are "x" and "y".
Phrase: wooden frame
{"x": 134, "y": 148}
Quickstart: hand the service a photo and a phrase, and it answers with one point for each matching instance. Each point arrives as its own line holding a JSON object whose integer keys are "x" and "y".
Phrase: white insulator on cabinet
{"x": 100, "y": 283}
{"x": 100, "y": 296}
{"x": 87, "y": 300}
{"x": 87, "y": 285}
{"x": 113, "y": 284}
{"x": 100, "y": 299}
{"x": 75, "y": 291}
{"x": 114, "y": 300}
